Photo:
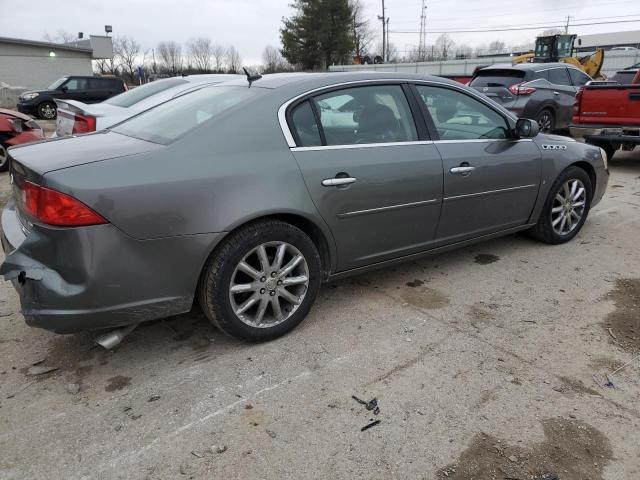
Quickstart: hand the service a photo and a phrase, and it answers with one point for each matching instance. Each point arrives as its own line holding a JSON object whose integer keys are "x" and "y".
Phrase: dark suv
{"x": 541, "y": 91}
{"x": 85, "y": 89}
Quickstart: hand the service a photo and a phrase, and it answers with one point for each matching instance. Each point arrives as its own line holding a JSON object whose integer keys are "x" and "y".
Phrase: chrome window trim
{"x": 360, "y": 145}
{"x": 387, "y": 208}
{"x": 282, "y": 111}
{"x": 489, "y": 192}
{"x": 482, "y": 140}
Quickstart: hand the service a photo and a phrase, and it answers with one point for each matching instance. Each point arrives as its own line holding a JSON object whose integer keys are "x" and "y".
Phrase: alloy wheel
{"x": 568, "y": 207}
{"x": 269, "y": 284}
{"x": 47, "y": 111}
{"x": 545, "y": 122}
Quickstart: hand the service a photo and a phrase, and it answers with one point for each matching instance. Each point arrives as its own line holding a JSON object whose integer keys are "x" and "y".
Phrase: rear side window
{"x": 305, "y": 126}
{"x": 101, "y": 84}
{"x": 459, "y": 117}
{"x": 542, "y": 75}
{"x": 135, "y": 95}
{"x": 559, "y": 76}
{"x": 170, "y": 120}
{"x": 578, "y": 78}
{"x": 361, "y": 115}
{"x": 497, "y": 78}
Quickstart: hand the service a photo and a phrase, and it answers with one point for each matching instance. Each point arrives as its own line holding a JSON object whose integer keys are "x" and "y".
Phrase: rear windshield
{"x": 497, "y": 78}
{"x": 135, "y": 95}
{"x": 170, "y": 120}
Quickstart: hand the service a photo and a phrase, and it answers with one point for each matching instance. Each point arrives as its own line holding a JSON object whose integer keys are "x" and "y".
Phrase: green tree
{"x": 318, "y": 34}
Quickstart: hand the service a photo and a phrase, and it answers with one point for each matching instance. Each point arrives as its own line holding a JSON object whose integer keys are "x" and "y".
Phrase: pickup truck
{"x": 607, "y": 114}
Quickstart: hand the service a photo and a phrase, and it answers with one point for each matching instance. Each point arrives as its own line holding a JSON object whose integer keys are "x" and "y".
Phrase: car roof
{"x": 301, "y": 79}
{"x": 534, "y": 67}
{"x": 207, "y": 77}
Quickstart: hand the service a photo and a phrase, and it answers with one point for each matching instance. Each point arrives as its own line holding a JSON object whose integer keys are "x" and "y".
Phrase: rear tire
{"x": 563, "y": 202}
{"x": 546, "y": 120}
{"x": 47, "y": 110}
{"x": 245, "y": 289}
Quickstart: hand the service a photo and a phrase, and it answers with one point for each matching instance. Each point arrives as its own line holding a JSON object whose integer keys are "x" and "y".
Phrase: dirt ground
{"x": 491, "y": 362}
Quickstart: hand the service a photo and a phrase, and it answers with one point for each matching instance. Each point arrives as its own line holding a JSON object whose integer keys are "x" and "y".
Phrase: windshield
{"x": 137, "y": 94}
{"x": 172, "y": 119}
{"x": 497, "y": 78}
{"x": 57, "y": 83}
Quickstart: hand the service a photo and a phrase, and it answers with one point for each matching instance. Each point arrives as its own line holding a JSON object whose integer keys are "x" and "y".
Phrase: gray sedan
{"x": 244, "y": 198}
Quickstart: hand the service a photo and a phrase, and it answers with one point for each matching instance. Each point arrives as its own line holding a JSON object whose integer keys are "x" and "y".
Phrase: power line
{"x": 561, "y": 25}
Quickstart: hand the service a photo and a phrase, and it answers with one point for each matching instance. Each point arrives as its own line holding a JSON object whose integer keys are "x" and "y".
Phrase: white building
{"x": 35, "y": 65}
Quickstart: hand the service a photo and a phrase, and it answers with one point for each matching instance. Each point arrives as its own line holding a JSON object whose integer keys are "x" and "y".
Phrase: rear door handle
{"x": 337, "y": 182}
{"x": 466, "y": 170}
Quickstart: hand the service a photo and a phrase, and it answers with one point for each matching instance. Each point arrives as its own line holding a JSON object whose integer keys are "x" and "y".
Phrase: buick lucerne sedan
{"x": 245, "y": 197}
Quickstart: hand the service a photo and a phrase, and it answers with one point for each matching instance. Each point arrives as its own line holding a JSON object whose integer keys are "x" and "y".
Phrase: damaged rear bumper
{"x": 88, "y": 278}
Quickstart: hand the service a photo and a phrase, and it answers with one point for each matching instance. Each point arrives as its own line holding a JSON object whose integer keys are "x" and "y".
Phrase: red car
{"x": 16, "y": 129}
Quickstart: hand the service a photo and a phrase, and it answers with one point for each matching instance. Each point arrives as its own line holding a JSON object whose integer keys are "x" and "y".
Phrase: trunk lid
{"x": 37, "y": 159}
{"x": 68, "y": 109}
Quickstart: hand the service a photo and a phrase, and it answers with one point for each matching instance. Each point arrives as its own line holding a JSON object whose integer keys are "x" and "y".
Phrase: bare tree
{"x": 61, "y": 36}
{"x": 443, "y": 46}
{"x": 273, "y": 61}
{"x": 200, "y": 51}
{"x": 464, "y": 51}
{"x": 497, "y": 47}
{"x": 551, "y": 31}
{"x": 219, "y": 54}
{"x": 361, "y": 29}
{"x": 127, "y": 52}
{"x": 171, "y": 56}
{"x": 234, "y": 60}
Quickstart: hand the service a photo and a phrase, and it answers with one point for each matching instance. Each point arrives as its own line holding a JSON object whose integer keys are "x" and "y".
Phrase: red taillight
{"x": 55, "y": 208}
{"x": 83, "y": 123}
{"x": 521, "y": 89}
{"x": 576, "y": 104}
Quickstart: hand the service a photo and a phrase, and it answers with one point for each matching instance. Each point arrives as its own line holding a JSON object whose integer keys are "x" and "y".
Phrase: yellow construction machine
{"x": 559, "y": 48}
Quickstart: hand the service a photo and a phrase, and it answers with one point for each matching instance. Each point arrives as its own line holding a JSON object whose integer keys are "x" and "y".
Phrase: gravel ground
{"x": 489, "y": 363}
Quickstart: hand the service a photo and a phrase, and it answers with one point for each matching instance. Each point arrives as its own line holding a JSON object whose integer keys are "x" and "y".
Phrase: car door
{"x": 564, "y": 95}
{"x": 491, "y": 180}
{"x": 74, "y": 89}
{"x": 373, "y": 175}
{"x": 99, "y": 89}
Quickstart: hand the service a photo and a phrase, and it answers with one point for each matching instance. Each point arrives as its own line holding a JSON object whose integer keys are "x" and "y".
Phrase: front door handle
{"x": 463, "y": 170}
{"x": 338, "y": 182}
{"x": 556, "y": 93}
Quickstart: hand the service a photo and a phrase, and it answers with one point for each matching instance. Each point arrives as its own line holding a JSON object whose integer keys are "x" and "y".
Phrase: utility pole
{"x": 384, "y": 33}
{"x": 566, "y": 27}
{"x": 387, "y": 38}
{"x": 423, "y": 33}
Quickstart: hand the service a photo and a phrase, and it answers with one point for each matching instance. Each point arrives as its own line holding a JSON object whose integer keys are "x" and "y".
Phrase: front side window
{"x": 460, "y": 117}
{"x": 170, "y": 120}
{"x": 361, "y": 115}
{"x": 559, "y": 76}
{"x": 55, "y": 85}
{"x": 76, "y": 84}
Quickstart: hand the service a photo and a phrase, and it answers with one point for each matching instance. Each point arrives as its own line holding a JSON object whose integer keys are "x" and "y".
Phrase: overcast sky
{"x": 250, "y": 25}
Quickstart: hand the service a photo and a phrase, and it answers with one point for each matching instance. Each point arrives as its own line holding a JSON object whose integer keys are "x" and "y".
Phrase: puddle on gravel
{"x": 486, "y": 258}
{"x": 424, "y": 297}
{"x": 415, "y": 283}
{"x": 624, "y": 321}
{"x": 572, "y": 450}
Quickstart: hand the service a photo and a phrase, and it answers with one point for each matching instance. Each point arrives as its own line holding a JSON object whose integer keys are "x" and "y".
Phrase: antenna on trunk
{"x": 251, "y": 78}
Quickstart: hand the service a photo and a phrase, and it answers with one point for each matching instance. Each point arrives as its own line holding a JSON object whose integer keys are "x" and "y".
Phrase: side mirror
{"x": 526, "y": 128}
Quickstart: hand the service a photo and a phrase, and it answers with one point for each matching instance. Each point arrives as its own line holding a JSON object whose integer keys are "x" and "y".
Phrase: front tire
{"x": 566, "y": 207}
{"x": 261, "y": 282}
{"x": 47, "y": 110}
